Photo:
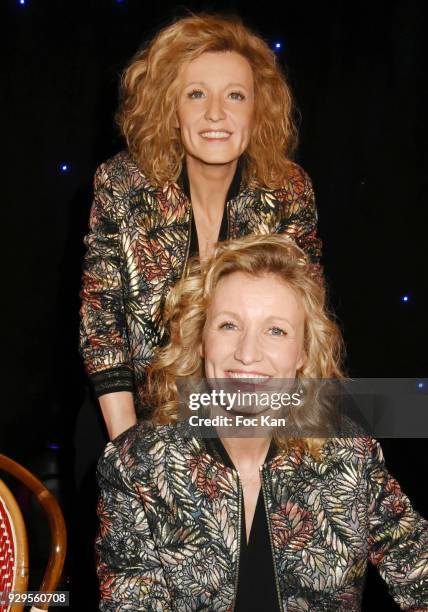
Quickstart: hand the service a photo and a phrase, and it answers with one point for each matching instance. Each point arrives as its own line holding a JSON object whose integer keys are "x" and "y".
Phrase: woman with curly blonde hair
{"x": 207, "y": 116}
{"x": 193, "y": 517}
{"x": 186, "y": 311}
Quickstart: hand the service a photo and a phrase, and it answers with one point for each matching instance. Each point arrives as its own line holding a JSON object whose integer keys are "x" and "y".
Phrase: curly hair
{"x": 185, "y": 315}
{"x": 149, "y": 96}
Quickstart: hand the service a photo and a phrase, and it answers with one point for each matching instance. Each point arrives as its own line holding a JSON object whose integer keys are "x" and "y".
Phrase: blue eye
{"x": 227, "y": 325}
{"x": 195, "y": 91}
{"x": 277, "y": 331}
{"x": 239, "y": 95}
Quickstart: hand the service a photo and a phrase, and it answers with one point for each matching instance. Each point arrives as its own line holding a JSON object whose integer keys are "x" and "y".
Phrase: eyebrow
{"x": 278, "y": 318}
{"x": 228, "y": 313}
{"x": 283, "y": 319}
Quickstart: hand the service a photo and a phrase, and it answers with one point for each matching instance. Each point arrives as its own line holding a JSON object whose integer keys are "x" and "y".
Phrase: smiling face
{"x": 215, "y": 106}
{"x": 254, "y": 328}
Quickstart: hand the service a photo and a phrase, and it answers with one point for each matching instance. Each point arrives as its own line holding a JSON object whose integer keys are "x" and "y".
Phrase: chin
{"x": 217, "y": 158}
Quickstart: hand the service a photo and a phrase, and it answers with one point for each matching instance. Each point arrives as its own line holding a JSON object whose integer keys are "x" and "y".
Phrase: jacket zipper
{"x": 281, "y": 607}
{"x": 239, "y": 541}
{"x": 189, "y": 235}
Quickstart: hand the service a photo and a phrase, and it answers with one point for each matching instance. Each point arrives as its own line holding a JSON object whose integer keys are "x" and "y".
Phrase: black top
{"x": 233, "y": 191}
{"x": 256, "y": 580}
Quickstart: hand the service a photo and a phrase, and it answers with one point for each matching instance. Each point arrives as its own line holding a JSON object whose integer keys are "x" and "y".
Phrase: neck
{"x": 247, "y": 452}
{"x": 209, "y": 183}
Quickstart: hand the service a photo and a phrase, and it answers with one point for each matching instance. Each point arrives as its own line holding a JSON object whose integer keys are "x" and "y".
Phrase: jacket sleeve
{"x": 398, "y": 538}
{"x": 103, "y": 336}
{"x": 301, "y": 219}
{"x": 129, "y": 571}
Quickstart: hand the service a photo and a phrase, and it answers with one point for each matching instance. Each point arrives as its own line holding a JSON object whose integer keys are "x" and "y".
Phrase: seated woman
{"x": 271, "y": 523}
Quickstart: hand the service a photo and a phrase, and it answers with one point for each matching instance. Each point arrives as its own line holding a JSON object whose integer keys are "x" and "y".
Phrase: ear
{"x": 176, "y": 122}
{"x": 201, "y": 350}
{"x": 302, "y": 360}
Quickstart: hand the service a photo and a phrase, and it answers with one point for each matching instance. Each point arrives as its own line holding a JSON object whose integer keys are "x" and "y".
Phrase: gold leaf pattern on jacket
{"x": 137, "y": 248}
{"x": 168, "y": 538}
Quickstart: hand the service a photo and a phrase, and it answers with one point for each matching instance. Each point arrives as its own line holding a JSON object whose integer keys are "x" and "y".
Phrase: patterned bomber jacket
{"x": 137, "y": 247}
{"x": 170, "y": 525}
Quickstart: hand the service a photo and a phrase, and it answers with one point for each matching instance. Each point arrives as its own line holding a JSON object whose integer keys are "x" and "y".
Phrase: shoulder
{"x": 122, "y": 171}
{"x": 296, "y": 175}
{"x": 353, "y": 446}
{"x": 122, "y": 188}
{"x": 297, "y": 178}
{"x": 297, "y": 186}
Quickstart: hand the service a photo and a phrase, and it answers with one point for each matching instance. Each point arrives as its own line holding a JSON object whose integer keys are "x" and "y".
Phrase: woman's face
{"x": 254, "y": 328}
{"x": 215, "y": 106}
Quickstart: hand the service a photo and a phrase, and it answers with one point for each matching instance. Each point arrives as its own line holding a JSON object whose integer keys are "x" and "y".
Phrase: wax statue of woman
{"x": 190, "y": 522}
{"x": 207, "y": 117}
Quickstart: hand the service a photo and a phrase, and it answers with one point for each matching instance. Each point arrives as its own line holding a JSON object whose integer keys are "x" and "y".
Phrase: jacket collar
{"x": 216, "y": 449}
{"x": 235, "y": 186}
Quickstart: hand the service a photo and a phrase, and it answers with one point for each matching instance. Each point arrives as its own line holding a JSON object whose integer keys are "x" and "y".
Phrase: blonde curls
{"x": 149, "y": 90}
{"x": 185, "y": 314}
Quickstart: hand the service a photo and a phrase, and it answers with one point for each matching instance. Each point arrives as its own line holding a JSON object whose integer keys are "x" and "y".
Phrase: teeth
{"x": 245, "y": 375}
{"x": 215, "y": 134}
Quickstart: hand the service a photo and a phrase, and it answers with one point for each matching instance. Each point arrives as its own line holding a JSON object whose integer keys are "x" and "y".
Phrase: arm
{"x": 398, "y": 540}
{"x": 130, "y": 573}
{"x": 300, "y": 218}
{"x": 118, "y": 411}
{"x": 103, "y": 338}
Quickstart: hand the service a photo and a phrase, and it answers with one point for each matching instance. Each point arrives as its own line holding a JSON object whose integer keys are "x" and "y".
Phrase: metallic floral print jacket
{"x": 137, "y": 247}
{"x": 170, "y": 525}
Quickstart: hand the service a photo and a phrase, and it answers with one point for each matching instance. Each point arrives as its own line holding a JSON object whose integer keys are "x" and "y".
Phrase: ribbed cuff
{"x": 112, "y": 380}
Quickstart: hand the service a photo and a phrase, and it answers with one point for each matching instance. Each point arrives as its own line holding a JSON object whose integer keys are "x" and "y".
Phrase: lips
{"x": 247, "y": 379}
{"x": 215, "y": 135}
{"x": 246, "y": 375}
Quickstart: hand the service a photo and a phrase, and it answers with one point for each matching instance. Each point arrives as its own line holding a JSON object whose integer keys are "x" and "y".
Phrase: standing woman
{"x": 207, "y": 116}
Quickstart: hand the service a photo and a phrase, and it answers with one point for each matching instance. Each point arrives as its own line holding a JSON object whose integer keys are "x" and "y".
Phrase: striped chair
{"x": 14, "y": 568}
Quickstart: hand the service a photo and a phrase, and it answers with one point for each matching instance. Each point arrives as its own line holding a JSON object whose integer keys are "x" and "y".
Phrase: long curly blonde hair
{"x": 149, "y": 95}
{"x": 185, "y": 315}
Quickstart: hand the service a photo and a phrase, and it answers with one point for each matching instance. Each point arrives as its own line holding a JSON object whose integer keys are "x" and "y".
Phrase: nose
{"x": 247, "y": 349}
{"x": 214, "y": 110}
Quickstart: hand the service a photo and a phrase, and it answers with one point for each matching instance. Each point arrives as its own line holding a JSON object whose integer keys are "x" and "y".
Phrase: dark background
{"x": 358, "y": 72}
